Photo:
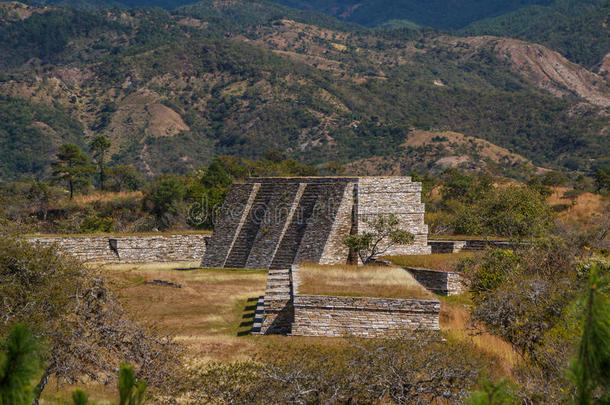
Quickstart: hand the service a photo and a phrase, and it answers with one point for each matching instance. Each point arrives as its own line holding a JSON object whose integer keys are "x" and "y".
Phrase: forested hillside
{"x": 433, "y": 13}
{"x": 578, "y": 29}
{"x": 171, "y": 90}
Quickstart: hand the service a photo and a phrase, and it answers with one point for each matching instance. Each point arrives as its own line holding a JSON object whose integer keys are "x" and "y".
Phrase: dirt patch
{"x": 547, "y": 69}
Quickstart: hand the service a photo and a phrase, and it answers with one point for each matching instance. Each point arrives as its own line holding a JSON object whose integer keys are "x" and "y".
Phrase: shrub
{"x": 494, "y": 268}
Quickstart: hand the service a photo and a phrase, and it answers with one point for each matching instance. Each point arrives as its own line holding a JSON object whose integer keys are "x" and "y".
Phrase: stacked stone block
{"x": 130, "y": 249}
{"x": 333, "y": 316}
{"x": 278, "y": 304}
{"x": 439, "y": 282}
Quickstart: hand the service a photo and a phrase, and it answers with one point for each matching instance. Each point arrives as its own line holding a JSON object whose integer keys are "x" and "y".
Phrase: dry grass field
{"x": 455, "y": 322}
{"x": 365, "y": 281}
{"x": 213, "y": 311}
{"x": 436, "y": 261}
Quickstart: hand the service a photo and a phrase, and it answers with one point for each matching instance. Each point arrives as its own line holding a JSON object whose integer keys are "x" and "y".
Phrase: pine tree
{"x": 20, "y": 362}
{"x": 131, "y": 390}
{"x": 72, "y": 166}
{"x": 99, "y": 146}
{"x": 591, "y": 368}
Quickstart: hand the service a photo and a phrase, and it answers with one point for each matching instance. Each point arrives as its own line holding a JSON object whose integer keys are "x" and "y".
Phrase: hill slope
{"x": 172, "y": 90}
{"x": 578, "y": 29}
{"x": 433, "y": 13}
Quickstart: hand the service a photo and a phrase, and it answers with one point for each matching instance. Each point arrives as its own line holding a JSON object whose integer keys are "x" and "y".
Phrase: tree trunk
{"x": 40, "y": 386}
{"x": 71, "y": 188}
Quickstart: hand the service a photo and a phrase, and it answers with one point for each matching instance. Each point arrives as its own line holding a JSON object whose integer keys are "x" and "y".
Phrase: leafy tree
{"x": 554, "y": 179}
{"x": 99, "y": 146}
{"x": 72, "y": 166}
{"x": 80, "y": 397}
{"x": 591, "y": 367}
{"x": 512, "y": 211}
{"x": 20, "y": 363}
{"x": 41, "y": 195}
{"x": 165, "y": 199}
{"x": 383, "y": 233}
{"x": 124, "y": 177}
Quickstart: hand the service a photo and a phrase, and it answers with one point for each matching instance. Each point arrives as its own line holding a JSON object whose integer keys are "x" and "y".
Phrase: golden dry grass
{"x": 582, "y": 209}
{"x": 436, "y": 261}
{"x": 209, "y": 313}
{"x": 455, "y": 322}
{"x": 364, "y": 281}
{"x": 105, "y": 196}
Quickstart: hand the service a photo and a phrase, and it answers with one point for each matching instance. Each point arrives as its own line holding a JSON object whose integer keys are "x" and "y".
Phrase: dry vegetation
{"x": 581, "y": 208}
{"x": 455, "y": 322}
{"x": 367, "y": 281}
{"x": 436, "y": 261}
{"x": 209, "y": 313}
{"x": 212, "y": 313}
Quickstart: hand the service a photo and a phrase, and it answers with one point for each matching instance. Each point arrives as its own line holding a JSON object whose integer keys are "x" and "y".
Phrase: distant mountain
{"x": 443, "y": 14}
{"x": 578, "y": 29}
{"x": 174, "y": 89}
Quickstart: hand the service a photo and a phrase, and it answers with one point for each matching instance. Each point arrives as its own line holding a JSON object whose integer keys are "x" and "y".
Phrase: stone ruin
{"x": 275, "y": 222}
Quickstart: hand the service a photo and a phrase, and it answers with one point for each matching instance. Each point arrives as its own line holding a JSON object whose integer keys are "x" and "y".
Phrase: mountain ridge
{"x": 205, "y": 84}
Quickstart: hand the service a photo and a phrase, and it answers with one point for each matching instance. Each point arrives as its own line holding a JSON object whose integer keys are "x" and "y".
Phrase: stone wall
{"x": 397, "y": 196}
{"x": 130, "y": 249}
{"x": 439, "y": 282}
{"x": 469, "y": 245}
{"x": 333, "y": 316}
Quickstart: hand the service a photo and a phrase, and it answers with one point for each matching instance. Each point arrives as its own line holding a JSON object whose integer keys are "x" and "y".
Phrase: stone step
{"x": 279, "y": 277}
{"x": 276, "y": 286}
{"x": 279, "y": 272}
{"x": 278, "y": 290}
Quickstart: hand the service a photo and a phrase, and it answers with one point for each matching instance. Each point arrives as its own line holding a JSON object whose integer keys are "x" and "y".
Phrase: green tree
{"x": 383, "y": 233}
{"x": 591, "y": 368}
{"x": 131, "y": 389}
{"x": 20, "y": 363}
{"x": 602, "y": 179}
{"x": 99, "y": 146}
{"x": 165, "y": 200}
{"x": 492, "y": 394}
{"x": 40, "y": 195}
{"x": 72, "y": 166}
{"x": 513, "y": 211}
{"x": 80, "y": 397}
{"x": 124, "y": 177}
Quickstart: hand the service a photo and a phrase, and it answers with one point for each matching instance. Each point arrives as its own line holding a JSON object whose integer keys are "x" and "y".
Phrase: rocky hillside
{"x": 172, "y": 90}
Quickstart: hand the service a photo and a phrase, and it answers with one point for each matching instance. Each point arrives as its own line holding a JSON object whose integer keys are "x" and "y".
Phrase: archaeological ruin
{"x": 273, "y": 223}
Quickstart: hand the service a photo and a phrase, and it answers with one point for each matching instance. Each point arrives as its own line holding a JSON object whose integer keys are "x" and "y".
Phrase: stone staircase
{"x": 285, "y": 254}
{"x": 243, "y": 244}
{"x": 277, "y": 305}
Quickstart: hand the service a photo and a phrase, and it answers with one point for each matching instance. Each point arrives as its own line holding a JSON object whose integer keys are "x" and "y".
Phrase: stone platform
{"x": 274, "y": 222}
